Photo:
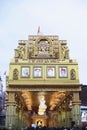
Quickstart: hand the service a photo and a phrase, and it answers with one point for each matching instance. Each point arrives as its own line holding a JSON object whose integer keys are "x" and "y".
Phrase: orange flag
{"x": 38, "y": 30}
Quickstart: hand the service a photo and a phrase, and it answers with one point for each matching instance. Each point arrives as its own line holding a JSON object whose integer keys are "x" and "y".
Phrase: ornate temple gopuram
{"x": 43, "y": 84}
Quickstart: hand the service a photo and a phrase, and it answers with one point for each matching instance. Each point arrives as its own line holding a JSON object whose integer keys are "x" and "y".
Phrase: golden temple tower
{"x": 43, "y": 84}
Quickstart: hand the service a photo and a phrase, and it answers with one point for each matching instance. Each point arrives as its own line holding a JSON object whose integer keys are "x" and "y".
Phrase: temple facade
{"x": 43, "y": 84}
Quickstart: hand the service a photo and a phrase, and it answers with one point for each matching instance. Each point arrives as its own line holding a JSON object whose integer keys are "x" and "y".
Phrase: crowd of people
{"x": 40, "y": 127}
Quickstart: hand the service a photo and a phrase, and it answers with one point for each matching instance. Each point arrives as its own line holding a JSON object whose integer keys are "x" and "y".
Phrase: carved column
{"x": 26, "y": 51}
{"x": 35, "y": 50}
{"x": 10, "y": 113}
{"x": 76, "y": 115}
{"x": 60, "y": 52}
{"x": 53, "y": 119}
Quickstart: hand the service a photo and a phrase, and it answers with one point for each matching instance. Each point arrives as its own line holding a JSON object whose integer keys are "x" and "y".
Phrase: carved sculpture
{"x": 72, "y": 74}
{"x": 15, "y": 74}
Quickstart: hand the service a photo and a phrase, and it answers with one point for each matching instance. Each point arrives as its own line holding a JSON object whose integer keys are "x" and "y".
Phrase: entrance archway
{"x": 56, "y": 103}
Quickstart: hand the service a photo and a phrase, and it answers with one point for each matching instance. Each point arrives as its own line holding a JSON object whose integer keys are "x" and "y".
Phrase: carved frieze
{"x": 42, "y": 47}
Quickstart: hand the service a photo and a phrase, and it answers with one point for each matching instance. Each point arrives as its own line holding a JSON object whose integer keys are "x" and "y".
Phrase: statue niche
{"x": 43, "y": 49}
{"x": 15, "y": 74}
{"x": 72, "y": 74}
{"x": 20, "y": 51}
{"x": 64, "y": 51}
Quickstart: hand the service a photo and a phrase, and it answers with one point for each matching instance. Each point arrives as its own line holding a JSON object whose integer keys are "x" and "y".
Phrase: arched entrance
{"x": 58, "y": 110}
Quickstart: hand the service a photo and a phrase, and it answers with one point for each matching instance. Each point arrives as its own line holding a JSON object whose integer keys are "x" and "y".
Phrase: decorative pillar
{"x": 76, "y": 114}
{"x": 11, "y": 110}
{"x": 60, "y": 55}
{"x": 53, "y": 119}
